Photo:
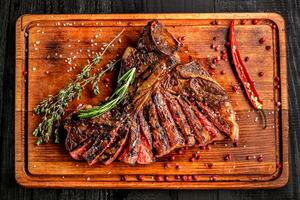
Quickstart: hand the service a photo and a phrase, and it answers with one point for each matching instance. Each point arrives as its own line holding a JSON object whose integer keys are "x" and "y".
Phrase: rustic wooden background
{"x": 10, "y": 10}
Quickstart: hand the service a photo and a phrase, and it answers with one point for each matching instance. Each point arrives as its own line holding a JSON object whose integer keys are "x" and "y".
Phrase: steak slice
{"x": 161, "y": 143}
{"x": 175, "y": 137}
{"x": 131, "y": 155}
{"x": 211, "y": 98}
{"x": 77, "y": 154}
{"x": 113, "y": 150}
{"x": 171, "y": 104}
{"x": 180, "y": 119}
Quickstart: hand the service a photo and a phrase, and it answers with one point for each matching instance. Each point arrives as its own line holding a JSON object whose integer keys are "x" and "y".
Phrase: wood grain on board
{"x": 51, "y": 49}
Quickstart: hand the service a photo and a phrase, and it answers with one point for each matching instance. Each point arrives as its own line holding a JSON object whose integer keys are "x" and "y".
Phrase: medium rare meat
{"x": 170, "y": 105}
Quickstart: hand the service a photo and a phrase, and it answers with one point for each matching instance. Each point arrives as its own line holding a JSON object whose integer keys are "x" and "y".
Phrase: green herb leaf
{"x": 127, "y": 79}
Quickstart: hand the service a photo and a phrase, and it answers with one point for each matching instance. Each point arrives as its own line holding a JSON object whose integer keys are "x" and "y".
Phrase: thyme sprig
{"x": 53, "y": 108}
{"x": 125, "y": 81}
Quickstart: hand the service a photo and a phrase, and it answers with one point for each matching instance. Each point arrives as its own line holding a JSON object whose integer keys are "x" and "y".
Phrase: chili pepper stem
{"x": 264, "y": 117}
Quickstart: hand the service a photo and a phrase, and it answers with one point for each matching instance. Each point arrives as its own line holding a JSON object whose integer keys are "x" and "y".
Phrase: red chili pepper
{"x": 244, "y": 75}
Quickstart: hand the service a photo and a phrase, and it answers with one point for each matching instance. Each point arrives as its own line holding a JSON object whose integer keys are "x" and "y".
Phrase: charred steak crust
{"x": 170, "y": 105}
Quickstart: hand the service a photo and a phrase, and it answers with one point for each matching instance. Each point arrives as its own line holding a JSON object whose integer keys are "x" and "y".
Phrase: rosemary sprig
{"x": 125, "y": 81}
{"x": 53, "y": 108}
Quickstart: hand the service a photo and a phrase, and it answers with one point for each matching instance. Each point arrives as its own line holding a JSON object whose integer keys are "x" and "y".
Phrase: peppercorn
{"x": 278, "y": 104}
{"x": 224, "y": 57}
{"x": 123, "y": 178}
{"x": 243, "y": 22}
{"x": 261, "y": 74}
{"x": 140, "y": 177}
{"x": 167, "y": 178}
{"x": 235, "y": 144}
{"x": 227, "y": 157}
{"x": 180, "y": 152}
{"x": 276, "y": 78}
{"x": 234, "y": 88}
{"x": 222, "y": 72}
{"x": 203, "y": 147}
{"x": 209, "y": 165}
{"x": 277, "y": 86}
{"x": 172, "y": 158}
{"x": 192, "y": 159}
{"x": 212, "y": 178}
{"x": 246, "y": 59}
{"x": 260, "y": 158}
{"x": 166, "y": 165}
{"x": 262, "y": 40}
{"x": 254, "y": 21}
{"x": 278, "y": 165}
{"x": 195, "y": 177}
{"x": 184, "y": 178}
{"x": 158, "y": 178}
{"x": 178, "y": 166}
{"x": 215, "y": 61}
{"x": 268, "y": 48}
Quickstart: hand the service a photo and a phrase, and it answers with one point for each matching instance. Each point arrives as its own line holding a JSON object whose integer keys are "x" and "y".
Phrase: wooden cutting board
{"x": 51, "y": 48}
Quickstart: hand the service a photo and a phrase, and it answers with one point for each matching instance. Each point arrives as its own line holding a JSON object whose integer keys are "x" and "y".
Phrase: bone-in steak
{"x": 170, "y": 105}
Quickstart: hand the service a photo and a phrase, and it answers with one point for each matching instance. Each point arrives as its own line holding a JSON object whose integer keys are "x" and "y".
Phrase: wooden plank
{"x": 55, "y": 38}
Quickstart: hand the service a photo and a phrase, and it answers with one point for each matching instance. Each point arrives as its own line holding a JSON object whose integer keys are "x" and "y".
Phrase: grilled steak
{"x": 170, "y": 105}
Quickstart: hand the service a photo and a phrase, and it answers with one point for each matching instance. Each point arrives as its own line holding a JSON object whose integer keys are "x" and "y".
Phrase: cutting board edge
{"x": 25, "y": 180}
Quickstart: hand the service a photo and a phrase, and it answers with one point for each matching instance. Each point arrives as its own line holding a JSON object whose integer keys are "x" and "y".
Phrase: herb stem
{"x": 116, "y": 98}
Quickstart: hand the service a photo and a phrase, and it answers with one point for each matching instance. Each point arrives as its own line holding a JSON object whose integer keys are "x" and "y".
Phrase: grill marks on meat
{"x": 180, "y": 119}
{"x": 170, "y": 105}
{"x": 175, "y": 137}
{"x": 160, "y": 138}
{"x": 156, "y": 38}
{"x": 115, "y": 148}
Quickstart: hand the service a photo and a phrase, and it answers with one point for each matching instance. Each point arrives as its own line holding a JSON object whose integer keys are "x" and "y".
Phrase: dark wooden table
{"x": 10, "y": 10}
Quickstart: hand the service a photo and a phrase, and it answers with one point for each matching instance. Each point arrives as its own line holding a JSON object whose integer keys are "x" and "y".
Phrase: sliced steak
{"x": 180, "y": 119}
{"x": 171, "y": 104}
{"x": 175, "y": 137}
